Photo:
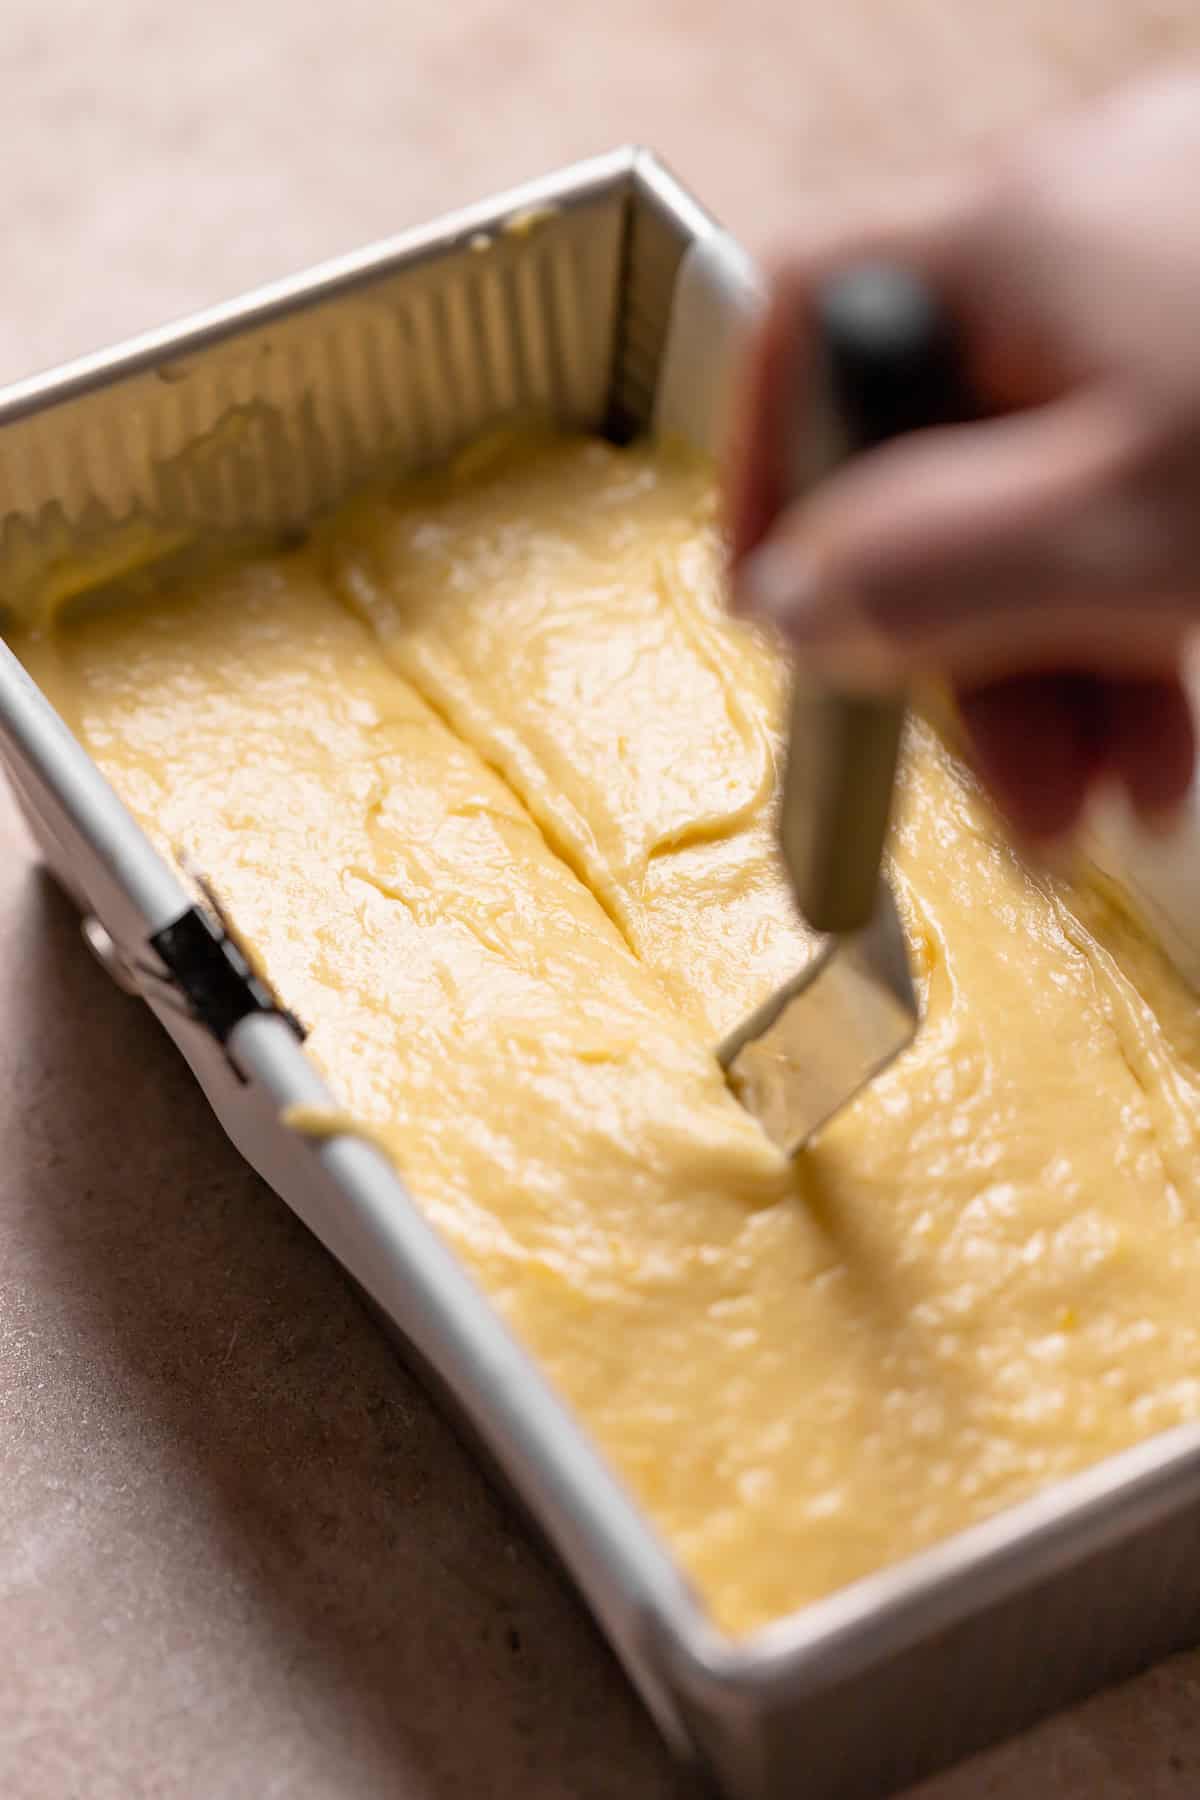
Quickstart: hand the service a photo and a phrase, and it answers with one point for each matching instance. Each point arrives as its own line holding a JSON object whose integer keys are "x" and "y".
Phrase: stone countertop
{"x": 240, "y": 1554}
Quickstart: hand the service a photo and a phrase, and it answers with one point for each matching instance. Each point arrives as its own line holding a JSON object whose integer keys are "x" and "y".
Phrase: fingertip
{"x": 1037, "y": 743}
{"x": 776, "y": 585}
{"x": 1153, "y": 747}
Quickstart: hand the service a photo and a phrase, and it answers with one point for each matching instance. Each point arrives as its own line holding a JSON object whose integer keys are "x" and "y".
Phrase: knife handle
{"x": 887, "y": 362}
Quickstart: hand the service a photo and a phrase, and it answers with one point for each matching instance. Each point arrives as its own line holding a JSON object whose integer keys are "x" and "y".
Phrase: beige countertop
{"x": 240, "y": 1555}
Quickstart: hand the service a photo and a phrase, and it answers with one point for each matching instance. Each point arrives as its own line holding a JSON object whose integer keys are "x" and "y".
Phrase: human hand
{"x": 1046, "y": 560}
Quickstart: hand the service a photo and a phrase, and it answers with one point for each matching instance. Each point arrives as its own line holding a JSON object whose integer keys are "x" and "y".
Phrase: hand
{"x": 1047, "y": 560}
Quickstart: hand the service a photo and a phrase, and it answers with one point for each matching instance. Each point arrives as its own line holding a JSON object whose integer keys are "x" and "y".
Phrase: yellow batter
{"x": 485, "y": 780}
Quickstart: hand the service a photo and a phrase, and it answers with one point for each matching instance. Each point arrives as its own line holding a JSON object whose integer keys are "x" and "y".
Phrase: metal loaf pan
{"x": 606, "y": 295}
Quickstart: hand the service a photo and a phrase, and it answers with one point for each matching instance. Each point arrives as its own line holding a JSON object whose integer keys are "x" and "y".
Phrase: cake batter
{"x": 485, "y": 779}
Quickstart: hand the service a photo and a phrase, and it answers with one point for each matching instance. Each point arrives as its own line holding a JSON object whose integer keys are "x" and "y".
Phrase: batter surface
{"x": 485, "y": 779}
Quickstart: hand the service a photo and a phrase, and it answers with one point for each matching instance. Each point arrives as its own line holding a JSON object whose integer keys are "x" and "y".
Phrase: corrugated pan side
{"x": 251, "y": 419}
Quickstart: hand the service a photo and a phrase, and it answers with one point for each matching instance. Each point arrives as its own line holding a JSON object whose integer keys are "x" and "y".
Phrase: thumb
{"x": 1023, "y": 543}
